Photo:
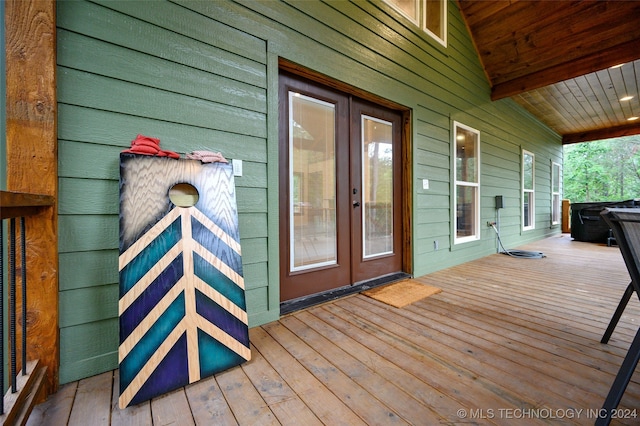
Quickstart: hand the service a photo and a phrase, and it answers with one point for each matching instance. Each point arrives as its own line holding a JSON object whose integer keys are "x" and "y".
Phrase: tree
{"x": 607, "y": 170}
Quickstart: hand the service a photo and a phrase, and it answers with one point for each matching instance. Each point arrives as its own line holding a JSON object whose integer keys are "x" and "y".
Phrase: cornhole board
{"x": 182, "y": 305}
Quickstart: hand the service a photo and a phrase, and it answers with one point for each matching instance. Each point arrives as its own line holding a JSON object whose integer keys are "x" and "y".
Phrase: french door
{"x": 340, "y": 189}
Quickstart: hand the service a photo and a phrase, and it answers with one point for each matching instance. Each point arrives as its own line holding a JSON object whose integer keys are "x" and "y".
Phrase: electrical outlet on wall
{"x": 237, "y": 167}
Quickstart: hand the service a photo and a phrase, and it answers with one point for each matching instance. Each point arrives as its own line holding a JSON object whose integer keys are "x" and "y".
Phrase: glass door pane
{"x": 377, "y": 186}
{"x": 527, "y": 209}
{"x": 466, "y": 213}
{"x": 312, "y": 177}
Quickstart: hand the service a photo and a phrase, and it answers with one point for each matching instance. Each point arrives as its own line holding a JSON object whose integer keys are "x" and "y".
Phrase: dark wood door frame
{"x": 404, "y": 152}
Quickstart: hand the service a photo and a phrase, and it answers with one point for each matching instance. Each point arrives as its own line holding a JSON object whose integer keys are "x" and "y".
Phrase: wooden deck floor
{"x": 508, "y": 341}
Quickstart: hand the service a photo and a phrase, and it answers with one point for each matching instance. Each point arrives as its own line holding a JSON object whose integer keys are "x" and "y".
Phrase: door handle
{"x": 356, "y": 204}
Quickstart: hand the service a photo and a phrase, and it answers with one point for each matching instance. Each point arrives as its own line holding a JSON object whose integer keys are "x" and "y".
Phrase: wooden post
{"x": 32, "y": 160}
{"x": 566, "y": 216}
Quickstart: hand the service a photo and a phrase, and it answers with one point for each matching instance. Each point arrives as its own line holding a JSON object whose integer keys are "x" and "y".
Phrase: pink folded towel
{"x": 207, "y": 157}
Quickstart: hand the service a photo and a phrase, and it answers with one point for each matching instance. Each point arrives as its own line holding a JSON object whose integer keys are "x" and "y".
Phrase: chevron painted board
{"x": 182, "y": 305}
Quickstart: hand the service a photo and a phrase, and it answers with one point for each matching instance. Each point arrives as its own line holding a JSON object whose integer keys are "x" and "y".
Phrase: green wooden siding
{"x": 203, "y": 75}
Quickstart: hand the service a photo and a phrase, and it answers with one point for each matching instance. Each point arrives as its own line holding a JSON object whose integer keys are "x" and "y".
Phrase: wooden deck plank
{"x": 538, "y": 298}
{"x": 532, "y": 322}
{"x": 504, "y": 335}
{"x": 288, "y": 408}
{"x": 365, "y": 405}
{"x": 496, "y": 345}
{"x": 135, "y": 415}
{"x": 55, "y": 410}
{"x": 89, "y": 405}
{"x": 535, "y": 316}
{"x": 208, "y": 404}
{"x": 172, "y": 409}
{"x": 588, "y": 310}
{"x": 486, "y": 354}
{"x": 394, "y": 396}
{"x": 382, "y": 360}
{"x": 479, "y": 384}
{"x": 325, "y": 405}
{"x": 558, "y": 311}
{"x": 514, "y": 334}
{"x": 243, "y": 398}
{"x": 576, "y": 330}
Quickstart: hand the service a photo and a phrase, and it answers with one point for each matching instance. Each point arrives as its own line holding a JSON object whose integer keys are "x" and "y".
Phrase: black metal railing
{"x": 14, "y": 208}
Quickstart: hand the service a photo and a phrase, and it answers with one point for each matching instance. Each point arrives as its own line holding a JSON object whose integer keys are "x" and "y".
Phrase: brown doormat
{"x": 402, "y": 293}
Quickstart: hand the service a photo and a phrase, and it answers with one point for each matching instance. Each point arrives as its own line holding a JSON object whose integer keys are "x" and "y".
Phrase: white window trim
{"x": 532, "y": 192}
{"x": 442, "y": 41}
{"x": 421, "y": 21}
{"x": 415, "y": 20}
{"x": 476, "y": 236}
{"x": 556, "y": 166}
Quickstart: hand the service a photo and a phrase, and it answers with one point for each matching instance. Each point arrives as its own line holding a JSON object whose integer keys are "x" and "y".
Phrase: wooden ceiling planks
{"x": 631, "y": 79}
{"x": 530, "y": 36}
{"x": 476, "y": 11}
{"x": 566, "y": 98}
{"x": 580, "y": 92}
{"x": 607, "y": 85}
{"x": 542, "y": 104}
{"x": 600, "y": 101}
{"x": 537, "y": 52}
{"x": 584, "y": 103}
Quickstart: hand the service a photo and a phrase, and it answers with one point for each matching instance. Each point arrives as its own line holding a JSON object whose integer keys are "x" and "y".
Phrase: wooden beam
{"x": 31, "y": 150}
{"x": 600, "y": 134}
{"x": 17, "y": 204}
{"x": 623, "y": 53}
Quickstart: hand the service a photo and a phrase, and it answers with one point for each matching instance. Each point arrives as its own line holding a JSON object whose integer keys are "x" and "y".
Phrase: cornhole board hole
{"x": 182, "y": 305}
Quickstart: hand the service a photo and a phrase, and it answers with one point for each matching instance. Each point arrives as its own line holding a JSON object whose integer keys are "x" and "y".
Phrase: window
{"x": 528, "y": 191}
{"x": 435, "y": 19}
{"x": 430, "y": 15}
{"x": 409, "y": 8}
{"x": 555, "y": 193}
{"x": 467, "y": 183}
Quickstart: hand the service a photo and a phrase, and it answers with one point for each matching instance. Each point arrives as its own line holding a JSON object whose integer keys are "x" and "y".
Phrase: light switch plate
{"x": 237, "y": 167}
{"x": 425, "y": 183}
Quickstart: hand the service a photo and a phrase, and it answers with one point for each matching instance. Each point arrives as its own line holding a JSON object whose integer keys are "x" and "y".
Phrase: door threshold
{"x": 293, "y": 305}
